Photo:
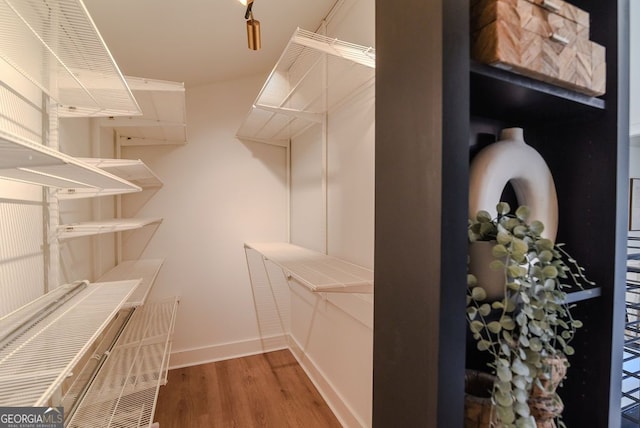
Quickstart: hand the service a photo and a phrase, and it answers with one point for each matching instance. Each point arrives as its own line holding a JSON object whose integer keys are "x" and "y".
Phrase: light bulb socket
{"x": 253, "y": 34}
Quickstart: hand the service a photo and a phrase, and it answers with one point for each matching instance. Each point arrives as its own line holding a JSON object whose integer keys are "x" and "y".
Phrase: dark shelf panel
{"x": 501, "y": 94}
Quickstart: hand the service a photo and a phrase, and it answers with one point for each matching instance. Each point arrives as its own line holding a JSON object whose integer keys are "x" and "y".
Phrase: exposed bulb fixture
{"x": 253, "y": 27}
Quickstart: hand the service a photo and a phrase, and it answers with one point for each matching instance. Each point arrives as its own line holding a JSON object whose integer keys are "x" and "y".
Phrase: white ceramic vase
{"x": 511, "y": 160}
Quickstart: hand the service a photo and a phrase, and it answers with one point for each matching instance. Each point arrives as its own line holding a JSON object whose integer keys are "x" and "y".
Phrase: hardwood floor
{"x": 268, "y": 390}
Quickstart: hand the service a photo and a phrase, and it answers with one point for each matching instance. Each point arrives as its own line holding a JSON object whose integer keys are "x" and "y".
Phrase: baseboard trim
{"x": 226, "y": 351}
{"x": 334, "y": 399}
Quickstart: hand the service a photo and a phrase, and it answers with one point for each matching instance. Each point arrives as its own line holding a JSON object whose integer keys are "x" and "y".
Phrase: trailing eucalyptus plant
{"x": 532, "y": 321}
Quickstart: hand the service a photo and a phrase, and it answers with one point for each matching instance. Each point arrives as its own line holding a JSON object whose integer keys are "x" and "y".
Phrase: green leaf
{"x": 487, "y": 229}
{"x": 514, "y": 287}
{"x": 496, "y": 265}
{"x": 518, "y": 367}
{"x": 483, "y": 216}
{"x": 523, "y": 212}
{"x": 505, "y": 414}
{"x": 508, "y": 338}
{"x": 520, "y": 231}
{"x": 519, "y": 382}
{"x": 504, "y": 348}
{"x": 503, "y": 208}
{"x": 511, "y": 223}
{"x": 478, "y": 294}
{"x": 476, "y": 326}
{"x": 577, "y": 324}
{"x": 545, "y": 244}
{"x": 484, "y": 345}
{"x": 484, "y": 310}
{"x": 536, "y": 227}
{"x": 503, "y": 399}
{"x": 497, "y": 305}
{"x": 521, "y": 396}
{"x": 472, "y": 281}
{"x": 494, "y": 327}
{"x": 529, "y": 422}
{"x": 549, "y": 285}
{"x": 499, "y": 251}
{"x": 504, "y": 237}
{"x": 535, "y": 344}
{"x": 550, "y": 271}
{"x": 519, "y": 246}
{"x": 472, "y": 312}
{"x": 514, "y": 271}
{"x": 536, "y": 328}
{"x": 568, "y": 350}
{"x": 504, "y": 374}
{"x": 507, "y": 323}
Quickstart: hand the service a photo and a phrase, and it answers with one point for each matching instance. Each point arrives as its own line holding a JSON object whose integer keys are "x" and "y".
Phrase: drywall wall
{"x": 308, "y": 220}
{"x": 218, "y": 193}
{"x": 332, "y": 334}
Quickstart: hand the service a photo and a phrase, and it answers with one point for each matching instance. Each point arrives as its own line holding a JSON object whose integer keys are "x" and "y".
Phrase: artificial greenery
{"x": 531, "y": 322}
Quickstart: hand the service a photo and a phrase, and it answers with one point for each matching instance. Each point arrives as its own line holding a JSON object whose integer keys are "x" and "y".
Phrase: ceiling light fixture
{"x": 253, "y": 28}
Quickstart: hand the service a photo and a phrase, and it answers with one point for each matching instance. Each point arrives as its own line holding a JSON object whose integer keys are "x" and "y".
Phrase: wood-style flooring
{"x": 267, "y": 390}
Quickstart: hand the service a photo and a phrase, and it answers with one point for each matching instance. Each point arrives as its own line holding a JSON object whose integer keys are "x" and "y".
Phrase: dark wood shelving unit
{"x": 504, "y": 95}
{"x": 434, "y": 109}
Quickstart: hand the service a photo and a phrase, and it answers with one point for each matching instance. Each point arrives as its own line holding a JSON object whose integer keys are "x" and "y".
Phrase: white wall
{"x": 308, "y": 224}
{"x": 218, "y": 193}
{"x": 332, "y": 333}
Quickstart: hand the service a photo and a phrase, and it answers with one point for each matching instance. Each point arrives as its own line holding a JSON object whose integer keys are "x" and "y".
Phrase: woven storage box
{"x": 537, "y": 38}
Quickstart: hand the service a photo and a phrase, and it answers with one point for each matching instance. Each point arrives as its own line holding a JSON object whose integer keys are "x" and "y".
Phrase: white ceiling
{"x": 199, "y": 41}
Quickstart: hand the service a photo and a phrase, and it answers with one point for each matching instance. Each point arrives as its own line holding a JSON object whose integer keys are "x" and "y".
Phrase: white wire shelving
{"x": 163, "y": 120}
{"x": 88, "y": 228}
{"x": 132, "y": 170}
{"x": 29, "y": 162}
{"x": 45, "y": 339}
{"x": 124, "y": 392}
{"x": 147, "y": 270}
{"x": 292, "y": 99}
{"x": 316, "y": 271}
{"x": 57, "y": 46}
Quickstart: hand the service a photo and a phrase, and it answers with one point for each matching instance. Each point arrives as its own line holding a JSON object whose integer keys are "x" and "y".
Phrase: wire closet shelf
{"x": 57, "y": 47}
{"x": 45, "y": 339}
{"x": 314, "y": 75}
{"x": 30, "y": 162}
{"x": 124, "y": 392}
{"x": 316, "y": 271}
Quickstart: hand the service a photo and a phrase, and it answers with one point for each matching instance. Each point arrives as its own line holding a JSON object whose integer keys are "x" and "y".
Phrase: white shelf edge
{"x": 26, "y": 161}
{"x": 316, "y": 271}
{"x": 133, "y": 372}
{"x": 135, "y": 141}
{"x": 89, "y": 228}
{"x": 48, "y": 351}
{"x": 145, "y": 84}
{"x": 146, "y": 269}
